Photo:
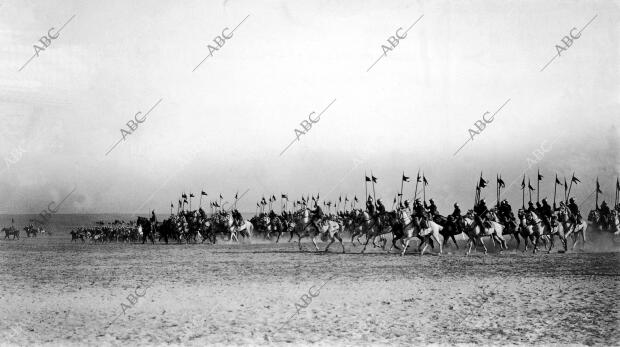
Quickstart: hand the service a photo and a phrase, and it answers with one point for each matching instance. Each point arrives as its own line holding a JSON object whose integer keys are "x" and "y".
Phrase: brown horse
{"x": 11, "y": 231}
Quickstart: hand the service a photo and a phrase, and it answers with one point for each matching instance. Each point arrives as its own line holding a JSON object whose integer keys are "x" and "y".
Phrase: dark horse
{"x": 148, "y": 229}
{"x": 451, "y": 227}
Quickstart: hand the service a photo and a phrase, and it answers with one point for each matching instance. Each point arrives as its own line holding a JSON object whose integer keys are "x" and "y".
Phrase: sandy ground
{"x": 53, "y": 292}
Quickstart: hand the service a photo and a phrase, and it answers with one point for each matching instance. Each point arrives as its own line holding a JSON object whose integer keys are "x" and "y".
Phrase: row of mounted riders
{"x": 31, "y": 231}
{"x": 422, "y": 222}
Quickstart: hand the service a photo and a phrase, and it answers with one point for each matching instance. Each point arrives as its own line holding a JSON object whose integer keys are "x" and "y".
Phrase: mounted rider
{"x": 481, "y": 211}
{"x": 457, "y": 211}
{"x": 432, "y": 208}
{"x": 317, "y": 216}
{"x": 419, "y": 214}
{"x": 546, "y": 213}
{"x": 237, "y": 218}
{"x": 380, "y": 211}
{"x": 370, "y": 206}
{"x": 574, "y": 210}
{"x": 530, "y": 207}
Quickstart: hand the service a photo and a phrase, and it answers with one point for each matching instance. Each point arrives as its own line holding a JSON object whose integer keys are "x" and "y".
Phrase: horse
{"x": 573, "y": 227}
{"x": 528, "y": 232}
{"x": 557, "y": 229}
{"x": 451, "y": 227}
{"x": 148, "y": 229}
{"x": 380, "y": 226}
{"x": 245, "y": 229}
{"x": 30, "y": 230}
{"x": 327, "y": 229}
{"x": 491, "y": 229}
{"x": 75, "y": 235}
{"x": 11, "y": 231}
{"x": 413, "y": 229}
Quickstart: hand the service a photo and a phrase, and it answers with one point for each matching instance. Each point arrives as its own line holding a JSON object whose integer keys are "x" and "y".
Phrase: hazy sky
{"x": 222, "y": 127}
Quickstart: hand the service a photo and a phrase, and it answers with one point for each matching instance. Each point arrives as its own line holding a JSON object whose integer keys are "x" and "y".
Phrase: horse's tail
{"x": 250, "y": 228}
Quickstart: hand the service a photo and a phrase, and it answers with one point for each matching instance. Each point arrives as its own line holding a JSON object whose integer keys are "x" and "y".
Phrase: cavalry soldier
{"x": 605, "y": 209}
{"x": 530, "y": 207}
{"x": 481, "y": 211}
{"x": 380, "y": 210}
{"x": 153, "y": 221}
{"x": 419, "y": 214}
{"x": 574, "y": 210}
{"x": 432, "y": 208}
{"x": 605, "y": 214}
{"x": 237, "y": 218}
{"x": 538, "y": 209}
{"x": 457, "y": 211}
{"x": 505, "y": 211}
{"x": 317, "y": 216}
{"x": 546, "y": 213}
{"x": 370, "y": 206}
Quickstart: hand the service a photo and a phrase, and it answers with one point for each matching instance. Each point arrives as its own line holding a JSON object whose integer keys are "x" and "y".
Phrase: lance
{"x": 538, "y": 187}
{"x": 477, "y": 196}
{"x": 171, "y": 206}
{"x": 565, "y": 188}
{"x": 528, "y": 188}
{"x": 402, "y": 182}
{"x": 190, "y": 201}
{"x": 417, "y": 180}
{"x": 571, "y": 185}
{"x": 365, "y": 186}
{"x": 523, "y": 194}
{"x": 497, "y": 188}
{"x": 596, "y": 197}
{"x": 200, "y": 202}
{"x": 555, "y": 187}
{"x": 256, "y": 213}
{"x": 423, "y": 187}
{"x": 617, "y": 192}
{"x": 372, "y": 178}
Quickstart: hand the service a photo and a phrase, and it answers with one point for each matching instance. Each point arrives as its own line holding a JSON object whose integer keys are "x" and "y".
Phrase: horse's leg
{"x": 470, "y": 243}
{"x": 405, "y": 245}
{"x": 483, "y": 245}
{"x": 424, "y": 248}
{"x": 332, "y": 239}
{"x": 551, "y": 243}
{"x": 313, "y": 241}
{"x": 366, "y": 244}
{"x": 299, "y": 235}
{"x": 454, "y": 240}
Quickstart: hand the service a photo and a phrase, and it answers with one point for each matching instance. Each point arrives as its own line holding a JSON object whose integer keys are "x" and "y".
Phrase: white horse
{"x": 494, "y": 230}
{"x": 245, "y": 229}
{"x": 414, "y": 230}
{"x": 303, "y": 227}
{"x": 573, "y": 229}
